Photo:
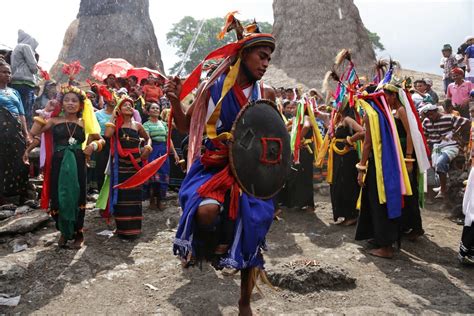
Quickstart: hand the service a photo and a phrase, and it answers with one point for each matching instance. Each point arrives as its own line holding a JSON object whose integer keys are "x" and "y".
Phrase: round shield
{"x": 260, "y": 149}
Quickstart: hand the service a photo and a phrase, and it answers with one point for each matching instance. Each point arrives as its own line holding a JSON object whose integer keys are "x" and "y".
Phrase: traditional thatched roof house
{"x": 110, "y": 28}
{"x": 310, "y": 33}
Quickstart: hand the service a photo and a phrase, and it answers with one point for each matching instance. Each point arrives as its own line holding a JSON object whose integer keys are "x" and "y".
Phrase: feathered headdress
{"x": 344, "y": 54}
{"x": 245, "y": 40}
{"x": 393, "y": 68}
{"x": 346, "y": 82}
{"x": 231, "y": 23}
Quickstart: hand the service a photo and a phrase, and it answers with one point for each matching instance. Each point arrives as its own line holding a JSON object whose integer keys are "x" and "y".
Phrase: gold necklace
{"x": 124, "y": 134}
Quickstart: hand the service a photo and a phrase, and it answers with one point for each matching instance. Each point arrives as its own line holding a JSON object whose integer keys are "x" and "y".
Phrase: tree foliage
{"x": 182, "y": 33}
{"x": 375, "y": 40}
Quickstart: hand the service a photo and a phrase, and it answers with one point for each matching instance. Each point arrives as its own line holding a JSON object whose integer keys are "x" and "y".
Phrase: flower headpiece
{"x": 65, "y": 89}
{"x": 125, "y": 98}
{"x": 90, "y": 121}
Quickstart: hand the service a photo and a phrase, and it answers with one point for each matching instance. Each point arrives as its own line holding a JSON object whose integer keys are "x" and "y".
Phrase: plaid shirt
{"x": 449, "y": 63}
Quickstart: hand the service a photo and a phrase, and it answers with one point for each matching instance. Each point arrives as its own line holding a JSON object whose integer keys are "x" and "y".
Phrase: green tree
{"x": 375, "y": 40}
{"x": 182, "y": 33}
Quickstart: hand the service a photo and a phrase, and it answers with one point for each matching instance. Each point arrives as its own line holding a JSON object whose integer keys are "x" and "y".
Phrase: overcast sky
{"x": 413, "y": 31}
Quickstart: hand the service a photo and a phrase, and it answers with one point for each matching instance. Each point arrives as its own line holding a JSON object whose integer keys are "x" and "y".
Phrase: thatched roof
{"x": 110, "y": 28}
{"x": 310, "y": 33}
{"x": 277, "y": 78}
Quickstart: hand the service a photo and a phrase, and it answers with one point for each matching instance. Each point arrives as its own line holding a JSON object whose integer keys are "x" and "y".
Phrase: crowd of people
{"x": 383, "y": 142}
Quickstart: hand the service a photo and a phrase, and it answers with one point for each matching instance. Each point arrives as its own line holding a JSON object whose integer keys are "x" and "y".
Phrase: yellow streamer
{"x": 322, "y": 151}
{"x": 91, "y": 125}
{"x": 333, "y": 149}
{"x": 228, "y": 84}
{"x": 377, "y": 149}
{"x": 317, "y": 138}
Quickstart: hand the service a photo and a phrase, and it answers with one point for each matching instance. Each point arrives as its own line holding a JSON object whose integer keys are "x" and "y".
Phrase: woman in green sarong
{"x": 67, "y": 131}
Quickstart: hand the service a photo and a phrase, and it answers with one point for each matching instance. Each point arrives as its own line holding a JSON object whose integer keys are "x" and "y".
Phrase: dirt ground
{"x": 109, "y": 276}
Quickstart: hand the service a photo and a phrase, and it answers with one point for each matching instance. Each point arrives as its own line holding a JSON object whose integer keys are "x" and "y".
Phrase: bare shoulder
{"x": 137, "y": 126}
{"x": 55, "y": 120}
{"x": 348, "y": 120}
{"x": 269, "y": 93}
{"x": 402, "y": 110}
{"x": 80, "y": 122}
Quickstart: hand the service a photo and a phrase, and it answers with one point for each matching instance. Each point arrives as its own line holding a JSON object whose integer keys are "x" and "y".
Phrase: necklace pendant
{"x": 128, "y": 137}
{"x": 72, "y": 140}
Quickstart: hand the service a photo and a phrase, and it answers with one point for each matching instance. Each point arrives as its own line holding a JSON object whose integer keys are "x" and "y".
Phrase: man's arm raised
{"x": 172, "y": 90}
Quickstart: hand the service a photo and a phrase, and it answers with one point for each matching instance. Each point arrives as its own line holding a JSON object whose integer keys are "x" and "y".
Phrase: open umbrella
{"x": 143, "y": 72}
{"x": 115, "y": 66}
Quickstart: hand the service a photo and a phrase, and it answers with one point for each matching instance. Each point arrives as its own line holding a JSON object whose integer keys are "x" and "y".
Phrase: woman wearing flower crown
{"x": 71, "y": 135}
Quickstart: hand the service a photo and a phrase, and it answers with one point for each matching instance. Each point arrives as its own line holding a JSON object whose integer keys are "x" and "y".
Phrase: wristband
{"x": 148, "y": 147}
{"x": 348, "y": 139}
{"x": 94, "y": 146}
{"x": 361, "y": 168}
{"x": 100, "y": 143}
{"x": 39, "y": 120}
{"x": 410, "y": 160}
{"x": 110, "y": 124}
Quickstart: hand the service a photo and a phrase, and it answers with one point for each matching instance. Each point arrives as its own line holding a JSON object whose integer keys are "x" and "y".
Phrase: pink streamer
{"x": 198, "y": 118}
{"x": 399, "y": 154}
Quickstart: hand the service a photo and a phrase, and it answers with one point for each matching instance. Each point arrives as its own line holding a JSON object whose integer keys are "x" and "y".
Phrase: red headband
{"x": 457, "y": 71}
{"x": 231, "y": 49}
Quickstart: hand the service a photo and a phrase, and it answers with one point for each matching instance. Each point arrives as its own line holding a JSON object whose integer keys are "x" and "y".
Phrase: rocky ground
{"x": 109, "y": 276}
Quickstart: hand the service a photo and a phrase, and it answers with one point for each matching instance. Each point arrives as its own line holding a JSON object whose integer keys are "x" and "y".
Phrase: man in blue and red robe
{"x": 220, "y": 222}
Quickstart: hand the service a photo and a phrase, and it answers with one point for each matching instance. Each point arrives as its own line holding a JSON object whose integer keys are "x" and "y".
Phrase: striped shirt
{"x": 436, "y": 131}
{"x": 158, "y": 131}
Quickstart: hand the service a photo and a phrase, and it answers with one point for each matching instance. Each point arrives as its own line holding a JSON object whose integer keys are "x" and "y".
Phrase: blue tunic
{"x": 10, "y": 99}
{"x": 254, "y": 215}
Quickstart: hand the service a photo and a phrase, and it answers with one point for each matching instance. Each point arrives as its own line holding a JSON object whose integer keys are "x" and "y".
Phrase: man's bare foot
{"x": 383, "y": 252}
{"x": 244, "y": 309}
{"x": 415, "y": 234}
{"x": 153, "y": 205}
{"x": 160, "y": 206}
{"x": 440, "y": 196}
{"x": 349, "y": 222}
